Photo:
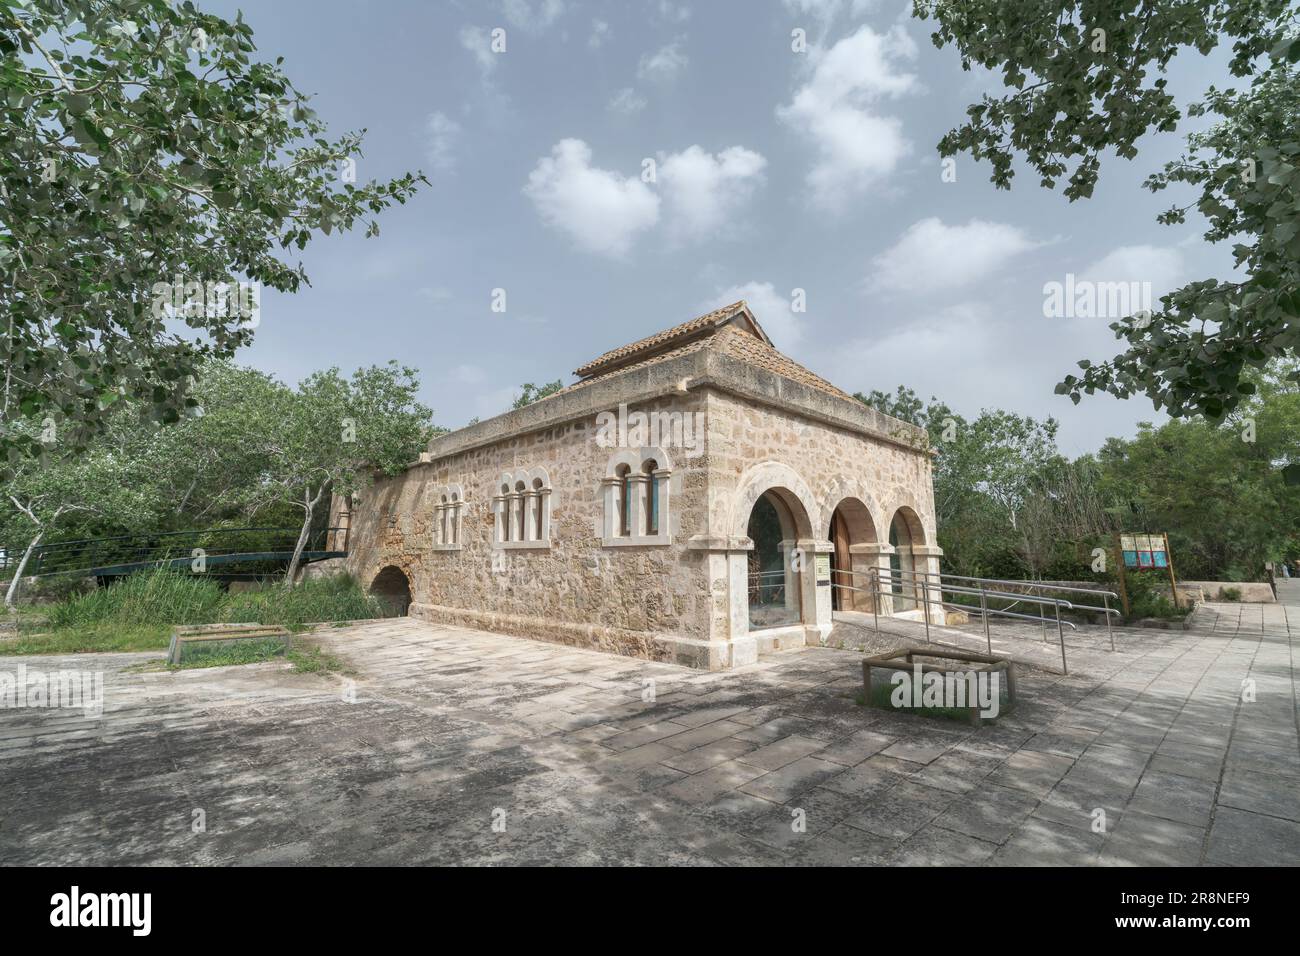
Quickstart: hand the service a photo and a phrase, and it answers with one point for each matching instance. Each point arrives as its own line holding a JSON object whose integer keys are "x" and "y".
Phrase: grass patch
{"x": 880, "y": 697}
{"x": 227, "y": 653}
{"x": 139, "y": 612}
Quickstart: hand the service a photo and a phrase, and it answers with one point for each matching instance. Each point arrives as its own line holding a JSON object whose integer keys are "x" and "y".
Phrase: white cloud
{"x": 532, "y": 17}
{"x": 934, "y": 256}
{"x": 704, "y": 191}
{"x": 837, "y": 110}
{"x": 626, "y": 101}
{"x": 827, "y": 10}
{"x": 772, "y": 310}
{"x": 1162, "y": 266}
{"x": 478, "y": 42}
{"x": 664, "y": 64}
{"x": 673, "y": 12}
{"x": 600, "y": 210}
{"x": 600, "y": 33}
{"x": 441, "y": 135}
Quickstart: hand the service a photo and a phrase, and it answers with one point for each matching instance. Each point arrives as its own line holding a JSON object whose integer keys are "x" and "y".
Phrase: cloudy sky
{"x": 622, "y": 167}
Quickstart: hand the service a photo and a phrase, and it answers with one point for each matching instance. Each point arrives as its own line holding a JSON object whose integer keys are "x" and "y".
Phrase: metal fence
{"x": 927, "y": 589}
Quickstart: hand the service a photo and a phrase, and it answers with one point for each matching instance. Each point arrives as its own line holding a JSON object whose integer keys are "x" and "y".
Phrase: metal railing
{"x": 118, "y": 551}
{"x": 919, "y": 586}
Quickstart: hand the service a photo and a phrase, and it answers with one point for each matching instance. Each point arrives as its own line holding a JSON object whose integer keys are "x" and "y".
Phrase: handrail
{"x": 925, "y": 581}
{"x": 1105, "y": 609}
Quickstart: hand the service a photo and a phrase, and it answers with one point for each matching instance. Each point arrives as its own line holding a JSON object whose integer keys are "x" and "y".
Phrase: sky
{"x": 619, "y": 168}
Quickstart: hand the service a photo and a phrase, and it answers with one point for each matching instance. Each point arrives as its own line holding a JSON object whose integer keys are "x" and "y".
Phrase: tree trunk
{"x": 309, "y": 510}
{"x": 12, "y": 594}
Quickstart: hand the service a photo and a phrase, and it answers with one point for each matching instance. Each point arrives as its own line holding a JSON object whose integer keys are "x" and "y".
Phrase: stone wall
{"x": 576, "y": 591}
{"x": 686, "y": 600}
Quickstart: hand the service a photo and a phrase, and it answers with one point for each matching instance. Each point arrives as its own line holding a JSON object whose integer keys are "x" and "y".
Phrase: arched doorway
{"x": 775, "y": 598}
{"x": 851, "y": 525}
{"x": 905, "y": 533}
{"x": 392, "y": 589}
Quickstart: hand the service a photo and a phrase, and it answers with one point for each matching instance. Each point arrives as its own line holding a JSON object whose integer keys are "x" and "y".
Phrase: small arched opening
{"x": 392, "y": 588}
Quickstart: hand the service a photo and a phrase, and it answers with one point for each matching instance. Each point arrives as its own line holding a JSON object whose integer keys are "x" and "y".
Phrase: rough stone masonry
{"x": 616, "y": 513}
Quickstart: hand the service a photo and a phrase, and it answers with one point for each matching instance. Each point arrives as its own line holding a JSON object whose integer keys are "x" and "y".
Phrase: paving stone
{"x": 1035, "y": 773}
{"x": 702, "y": 758}
{"x": 844, "y": 845}
{"x": 772, "y": 730}
{"x": 901, "y": 811}
{"x": 856, "y": 748}
{"x": 1141, "y": 840}
{"x": 934, "y": 846}
{"x": 451, "y": 723}
{"x": 709, "y": 784}
{"x": 989, "y": 813}
{"x": 1182, "y": 799}
{"x": 1042, "y": 843}
{"x": 958, "y": 771}
{"x": 916, "y": 751}
{"x": 793, "y": 779}
{"x": 1261, "y": 793}
{"x": 1241, "y": 838}
{"x": 781, "y": 752}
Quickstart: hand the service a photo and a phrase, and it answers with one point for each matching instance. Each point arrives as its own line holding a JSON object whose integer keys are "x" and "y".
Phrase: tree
{"x": 1087, "y": 76}
{"x": 148, "y": 162}
{"x": 984, "y": 471}
{"x": 1219, "y": 490}
{"x": 43, "y": 493}
{"x": 531, "y": 393}
{"x": 333, "y": 434}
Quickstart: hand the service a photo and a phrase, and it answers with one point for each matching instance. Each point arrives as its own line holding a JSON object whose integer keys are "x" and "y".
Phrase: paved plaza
{"x": 453, "y": 746}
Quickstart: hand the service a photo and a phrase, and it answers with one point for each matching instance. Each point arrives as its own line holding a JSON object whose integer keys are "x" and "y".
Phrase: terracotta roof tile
{"x": 711, "y": 331}
{"x": 652, "y": 343}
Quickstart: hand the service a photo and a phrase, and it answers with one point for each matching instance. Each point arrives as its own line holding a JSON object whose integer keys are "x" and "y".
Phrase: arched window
{"x": 651, "y": 497}
{"x": 636, "y": 498}
{"x": 535, "y": 523}
{"x": 624, "y": 501}
{"x": 447, "y": 518}
{"x": 522, "y": 509}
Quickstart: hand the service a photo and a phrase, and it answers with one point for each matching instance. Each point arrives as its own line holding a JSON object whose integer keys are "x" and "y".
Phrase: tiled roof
{"x": 745, "y": 342}
{"x": 653, "y": 343}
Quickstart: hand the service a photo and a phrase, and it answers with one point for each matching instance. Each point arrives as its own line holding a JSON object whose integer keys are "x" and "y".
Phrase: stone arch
{"x": 784, "y": 482}
{"x": 908, "y": 519}
{"x": 855, "y": 550}
{"x": 634, "y": 458}
{"x": 920, "y": 518}
{"x": 392, "y": 588}
{"x": 906, "y": 533}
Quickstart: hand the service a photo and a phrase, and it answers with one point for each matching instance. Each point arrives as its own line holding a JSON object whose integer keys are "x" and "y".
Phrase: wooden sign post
{"x": 1169, "y": 562}
{"x": 1123, "y": 584}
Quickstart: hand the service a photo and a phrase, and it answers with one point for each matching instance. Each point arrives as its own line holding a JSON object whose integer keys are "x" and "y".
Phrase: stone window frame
{"x": 627, "y": 469}
{"x": 448, "y": 518}
{"x": 521, "y": 509}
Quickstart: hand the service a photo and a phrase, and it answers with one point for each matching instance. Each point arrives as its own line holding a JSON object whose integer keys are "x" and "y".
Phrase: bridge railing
{"x": 90, "y": 554}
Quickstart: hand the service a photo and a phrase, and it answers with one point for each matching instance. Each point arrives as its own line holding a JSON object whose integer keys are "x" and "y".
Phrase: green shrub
{"x": 1230, "y": 594}
{"x": 147, "y": 598}
{"x": 335, "y": 598}
{"x": 138, "y": 612}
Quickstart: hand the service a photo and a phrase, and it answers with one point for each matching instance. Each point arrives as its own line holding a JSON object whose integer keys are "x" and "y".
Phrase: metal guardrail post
{"x": 1105, "y": 599}
{"x": 875, "y": 598}
{"x": 984, "y": 613}
{"x": 925, "y": 596}
{"x": 1060, "y": 632}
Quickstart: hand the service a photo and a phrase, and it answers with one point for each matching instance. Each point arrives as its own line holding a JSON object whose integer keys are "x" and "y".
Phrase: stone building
{"x": 693, "y": 497}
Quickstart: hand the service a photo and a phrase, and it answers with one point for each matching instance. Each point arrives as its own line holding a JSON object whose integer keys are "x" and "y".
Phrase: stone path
{"x": 588, "y": 758}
